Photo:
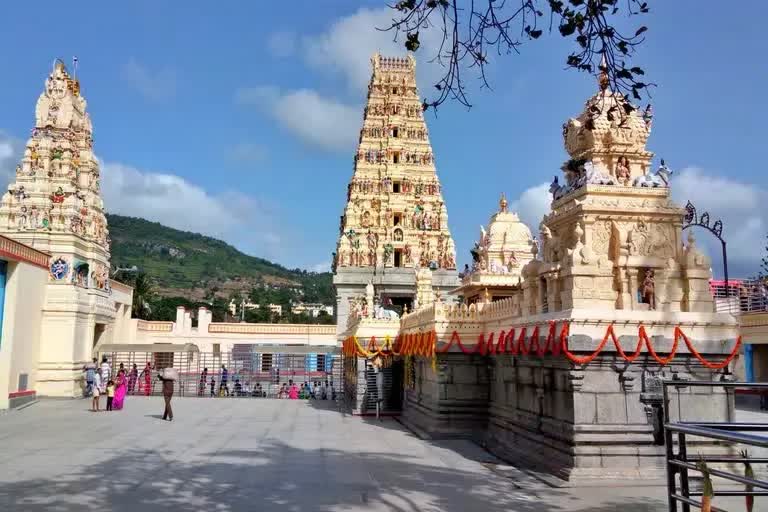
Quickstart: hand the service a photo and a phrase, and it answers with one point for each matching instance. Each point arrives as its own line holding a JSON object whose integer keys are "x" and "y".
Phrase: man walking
{"x": 167, "y": 395}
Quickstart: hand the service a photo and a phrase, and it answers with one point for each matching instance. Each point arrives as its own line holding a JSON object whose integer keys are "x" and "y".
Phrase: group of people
{"x": 207, "y": 384}
{"x": 101, "y": 380}
{"x": 316, "y": 391}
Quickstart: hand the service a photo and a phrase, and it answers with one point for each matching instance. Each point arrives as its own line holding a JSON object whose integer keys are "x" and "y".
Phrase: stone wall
{"x": 578, "y": 422}
{"x": 451, "y": 400}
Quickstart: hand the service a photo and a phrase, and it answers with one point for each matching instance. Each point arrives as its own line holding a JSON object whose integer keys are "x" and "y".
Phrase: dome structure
{"x": 501, "y": 252}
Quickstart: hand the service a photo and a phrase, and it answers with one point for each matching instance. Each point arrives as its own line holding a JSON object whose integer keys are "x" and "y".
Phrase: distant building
{"x": 273, "y": 308}
{"x": 311, "y": 309}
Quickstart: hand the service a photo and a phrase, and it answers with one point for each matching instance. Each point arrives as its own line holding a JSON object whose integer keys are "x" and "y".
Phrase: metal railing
{"x": 741, "y": 296}
{"x": 248, "y": 373}
{"x": 679, "y": 464}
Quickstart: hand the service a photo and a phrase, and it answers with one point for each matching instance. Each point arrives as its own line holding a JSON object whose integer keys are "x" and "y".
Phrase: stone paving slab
{"x": 244, "y": 454}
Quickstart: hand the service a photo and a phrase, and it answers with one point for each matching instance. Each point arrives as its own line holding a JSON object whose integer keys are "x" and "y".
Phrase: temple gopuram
{"x": 555, "y": 356}
{"x": 54, "y": 206}
{"x": 395, "y": 220}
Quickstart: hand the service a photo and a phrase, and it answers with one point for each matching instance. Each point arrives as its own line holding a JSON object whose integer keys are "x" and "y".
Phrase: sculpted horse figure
{"x": 384, "y": 314}
{"x": 658, "y": 179}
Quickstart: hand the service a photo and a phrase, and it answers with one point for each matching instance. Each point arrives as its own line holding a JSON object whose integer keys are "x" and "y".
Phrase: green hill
{"x": 193, "y": 266}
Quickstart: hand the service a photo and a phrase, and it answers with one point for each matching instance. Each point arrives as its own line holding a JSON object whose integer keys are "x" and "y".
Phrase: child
{"x": 213, "y": 387}
{"x": 110, "y": 394}
{"x": 96, "y": 390}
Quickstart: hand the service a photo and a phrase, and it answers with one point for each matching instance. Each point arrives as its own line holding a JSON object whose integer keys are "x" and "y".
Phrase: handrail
{"x": 730, "y": 432}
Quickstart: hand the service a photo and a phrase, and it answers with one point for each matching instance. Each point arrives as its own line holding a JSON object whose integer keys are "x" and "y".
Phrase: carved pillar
{"x": 632, "y": 275}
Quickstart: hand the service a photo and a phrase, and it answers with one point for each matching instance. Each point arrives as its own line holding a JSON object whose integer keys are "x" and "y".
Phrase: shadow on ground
{"x": 278, "y": 477}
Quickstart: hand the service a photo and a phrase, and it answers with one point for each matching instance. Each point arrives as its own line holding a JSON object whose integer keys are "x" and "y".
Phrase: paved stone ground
{"x": 245, "y": 454}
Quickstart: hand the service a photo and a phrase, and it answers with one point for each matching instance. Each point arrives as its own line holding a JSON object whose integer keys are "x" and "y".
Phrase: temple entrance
{"x": 98, "y": 333}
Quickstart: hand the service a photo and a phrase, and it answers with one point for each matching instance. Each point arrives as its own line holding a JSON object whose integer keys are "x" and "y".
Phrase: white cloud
{"x": 282, "y": 44}
{"x": 741, "y": 207}
{"x": 320, "y": 121}
{"x": 347, "y": 46}
{"x": 154, "y": 85}
{"x": 531, "y": 206}
{"x": 321, "y": 267}
{"x": 248, "y": 152}
{"x": 11, "y": 151}
{"x": 175, "y": 202}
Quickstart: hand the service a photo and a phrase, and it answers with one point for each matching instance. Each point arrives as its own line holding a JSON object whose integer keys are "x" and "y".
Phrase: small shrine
{"x": 498, "y": 258}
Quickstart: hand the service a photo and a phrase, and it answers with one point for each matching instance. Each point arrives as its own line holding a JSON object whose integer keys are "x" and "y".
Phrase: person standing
{"x": 110, "y": 394}
{"x": 96, "y": 389}
{"x": 203, "y": 382}
{"x": 167, "y": 395}
{"x": 133, "y": 376}
{"x": 121, "y": 386}
{"x": 223, "y": 387}
{"x": 147, "y": 374}
{"x": 106, "y": 370}
{"x": 90, "y": 372}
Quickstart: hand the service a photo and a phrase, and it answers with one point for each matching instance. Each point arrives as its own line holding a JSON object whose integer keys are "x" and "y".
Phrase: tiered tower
{"x": 55, "y": 206}
{"x": 395, "y": 221}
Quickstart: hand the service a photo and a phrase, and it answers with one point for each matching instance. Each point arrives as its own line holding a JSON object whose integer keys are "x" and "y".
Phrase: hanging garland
{"x": 424, "y": 344}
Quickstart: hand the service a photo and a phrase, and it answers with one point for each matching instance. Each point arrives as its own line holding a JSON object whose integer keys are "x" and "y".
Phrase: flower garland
{"x": 425, "y": 344}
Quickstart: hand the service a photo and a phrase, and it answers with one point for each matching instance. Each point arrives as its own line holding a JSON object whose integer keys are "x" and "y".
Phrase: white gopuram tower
{"x": 55, "y": 206}
{"x": 395, "y": 221}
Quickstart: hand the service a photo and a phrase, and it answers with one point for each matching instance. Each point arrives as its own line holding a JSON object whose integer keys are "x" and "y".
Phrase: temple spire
{"x": 603, "y": 81}
{"x": 503, "y": 203}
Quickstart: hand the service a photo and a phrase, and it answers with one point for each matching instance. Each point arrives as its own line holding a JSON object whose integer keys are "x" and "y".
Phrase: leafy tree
{"x": 472, "y": 30}
{"x": 143, "y": 295}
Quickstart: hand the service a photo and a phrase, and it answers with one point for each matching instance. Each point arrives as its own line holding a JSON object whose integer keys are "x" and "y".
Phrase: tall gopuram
{"x": 564, "y": 374}
{"x": 55, "y": 206}
{"x": 395, "y": 221}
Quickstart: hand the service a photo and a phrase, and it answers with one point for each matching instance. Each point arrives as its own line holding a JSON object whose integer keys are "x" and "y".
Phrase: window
{"x": 320, "y": 363}
{"x": 394, "y": 90}
{"x": 394, "y": 132}
{"x": 396, "y": 219}
{"x": 396, "y": 187}
{"x": 398, "y": 257}
{"x": 395, "y": 158}
{"x": 266, "y": 362}
{"x": 217, "y": 350}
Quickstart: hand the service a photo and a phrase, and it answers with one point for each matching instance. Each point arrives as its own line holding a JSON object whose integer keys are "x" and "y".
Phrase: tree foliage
{"x": 473, "y": 30}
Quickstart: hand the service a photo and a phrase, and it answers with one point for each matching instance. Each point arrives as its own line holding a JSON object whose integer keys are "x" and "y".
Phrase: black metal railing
{"x": 681, "y": 463}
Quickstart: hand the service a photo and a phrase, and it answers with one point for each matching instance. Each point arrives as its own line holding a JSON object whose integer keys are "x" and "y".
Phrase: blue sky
{"x": 240, "y": 122}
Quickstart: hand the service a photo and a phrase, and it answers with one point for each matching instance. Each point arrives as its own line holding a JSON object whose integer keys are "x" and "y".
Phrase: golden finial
{"x": 603, "y": 80}
{"x": 487, "y": 296}
{"x": 503, "y": 203}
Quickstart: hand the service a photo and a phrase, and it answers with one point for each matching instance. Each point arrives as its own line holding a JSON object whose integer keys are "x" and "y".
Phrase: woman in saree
{"x": 121, "y": 385}
{"x": 133, "y": 376}
{"x": 147, "y": 374}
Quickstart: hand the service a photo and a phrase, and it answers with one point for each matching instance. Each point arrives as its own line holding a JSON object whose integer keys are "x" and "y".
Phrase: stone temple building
{"x": 395, "y": 220}
{"x": 563, "y": 372}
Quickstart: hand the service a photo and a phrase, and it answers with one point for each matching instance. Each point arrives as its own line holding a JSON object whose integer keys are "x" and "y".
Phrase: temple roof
{"x": 605, "y": 125}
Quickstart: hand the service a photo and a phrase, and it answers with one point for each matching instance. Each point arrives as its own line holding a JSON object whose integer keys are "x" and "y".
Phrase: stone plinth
{"x": 449, "y": 401}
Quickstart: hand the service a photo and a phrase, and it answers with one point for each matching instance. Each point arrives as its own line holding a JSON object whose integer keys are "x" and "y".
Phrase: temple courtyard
{"x": 251, "y": 454}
